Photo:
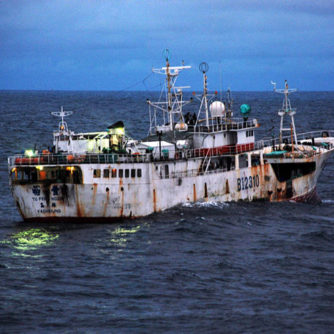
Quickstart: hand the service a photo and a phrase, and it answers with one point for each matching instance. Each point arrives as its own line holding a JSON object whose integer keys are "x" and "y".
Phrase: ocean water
{"x": 206, "y": 267}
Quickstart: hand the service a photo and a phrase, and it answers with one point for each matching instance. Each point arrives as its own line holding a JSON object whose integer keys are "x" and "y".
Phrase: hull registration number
{"x": 248, "y": 182}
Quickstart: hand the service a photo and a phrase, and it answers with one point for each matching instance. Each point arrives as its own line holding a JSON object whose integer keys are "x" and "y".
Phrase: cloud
{"x": 86, "y": 36}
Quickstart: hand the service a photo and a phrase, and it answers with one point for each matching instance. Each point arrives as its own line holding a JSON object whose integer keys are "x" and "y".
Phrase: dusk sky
{"x": 112, "y": 45}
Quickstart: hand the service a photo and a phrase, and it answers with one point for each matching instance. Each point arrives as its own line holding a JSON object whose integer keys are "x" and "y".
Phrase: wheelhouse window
{"x": 97, "y": 173}
{"x": 249, "y": 133}
{"x": 47, "y": 175}
{"x": 106, "y": 173}
{"x": 127, "y": 173}
{"x": 120, "y": 173}
{"x": 133, "y": 173}
{"x": 138, "y": 172}
{"x": 114, "y": 172}
{"x": 166, "y": 171}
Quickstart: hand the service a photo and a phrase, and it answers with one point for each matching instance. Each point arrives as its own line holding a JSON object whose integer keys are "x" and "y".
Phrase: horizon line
{"x": 142, "y": 91}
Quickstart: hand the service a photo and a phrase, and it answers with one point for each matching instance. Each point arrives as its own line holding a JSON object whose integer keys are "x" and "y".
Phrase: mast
{"x": 204, "y": 67}
{"x": 169, "y": 95}
{"x": 62, "y": 124}
{"x": 229, "y": 101}
{"x": 286, "y": 110}
{"x": 63, "y": 129}
{"x": 172, "y": 107}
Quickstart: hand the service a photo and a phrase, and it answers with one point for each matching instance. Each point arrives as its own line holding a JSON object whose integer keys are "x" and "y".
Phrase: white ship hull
{"x": 107, "y": 198}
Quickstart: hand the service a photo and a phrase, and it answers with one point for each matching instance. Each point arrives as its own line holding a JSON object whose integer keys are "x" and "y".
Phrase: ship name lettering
{"x": 36, "y": 199}
{"x": 49, "y": 211}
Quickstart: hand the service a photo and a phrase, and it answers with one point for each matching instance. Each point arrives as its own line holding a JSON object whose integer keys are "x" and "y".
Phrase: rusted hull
{"x": 98, "y": 200}
{"x": 310, "y": 197}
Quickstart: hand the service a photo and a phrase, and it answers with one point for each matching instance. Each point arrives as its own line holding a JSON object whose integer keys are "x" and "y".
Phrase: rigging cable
{"x": 137, "y": 83}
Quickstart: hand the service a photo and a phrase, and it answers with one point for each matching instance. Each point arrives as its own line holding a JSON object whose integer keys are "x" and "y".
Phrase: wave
{"x": 327, "y": 201}
{"x": 208, "y": 204}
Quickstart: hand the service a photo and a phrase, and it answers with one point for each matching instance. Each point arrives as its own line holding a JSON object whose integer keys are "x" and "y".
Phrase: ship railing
{"x": 301, "y": 139}
{"x": 72, "y": 159}
{"x": 232, "y": 124}
{"x": 96, "y": 158}
{"x": 227, "y": 150}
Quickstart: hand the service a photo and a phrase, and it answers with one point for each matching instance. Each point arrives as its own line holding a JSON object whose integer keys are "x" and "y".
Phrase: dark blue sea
{"x": 202, "y": 268}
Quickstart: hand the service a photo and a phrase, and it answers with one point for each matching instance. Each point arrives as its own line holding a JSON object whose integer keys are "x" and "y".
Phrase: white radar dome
{"x": 217, "y": 109}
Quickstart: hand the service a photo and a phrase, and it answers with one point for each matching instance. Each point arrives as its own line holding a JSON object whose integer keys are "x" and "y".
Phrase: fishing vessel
{"x": 205, "y": 154}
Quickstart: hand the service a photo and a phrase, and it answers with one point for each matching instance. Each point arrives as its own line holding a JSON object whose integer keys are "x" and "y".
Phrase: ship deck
{"x": 314, "y": 139}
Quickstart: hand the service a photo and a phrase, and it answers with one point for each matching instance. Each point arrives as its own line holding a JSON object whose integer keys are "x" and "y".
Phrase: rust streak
{"x": 227, "y": 187}
{"x": 194, "y": 191}
{"x": 80, "y": 211}
{"x": 121, "y": 192}
{"x": 120, "y": 184}
{"x": 154, "y": 201}
{"x": 106, "y": 203}
{"x": 94, "y": 193}
{"x": 122, "y": 204}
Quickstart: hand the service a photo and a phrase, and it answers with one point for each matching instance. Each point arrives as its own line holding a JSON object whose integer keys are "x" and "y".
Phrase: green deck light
{"x": 29, "y": 153}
